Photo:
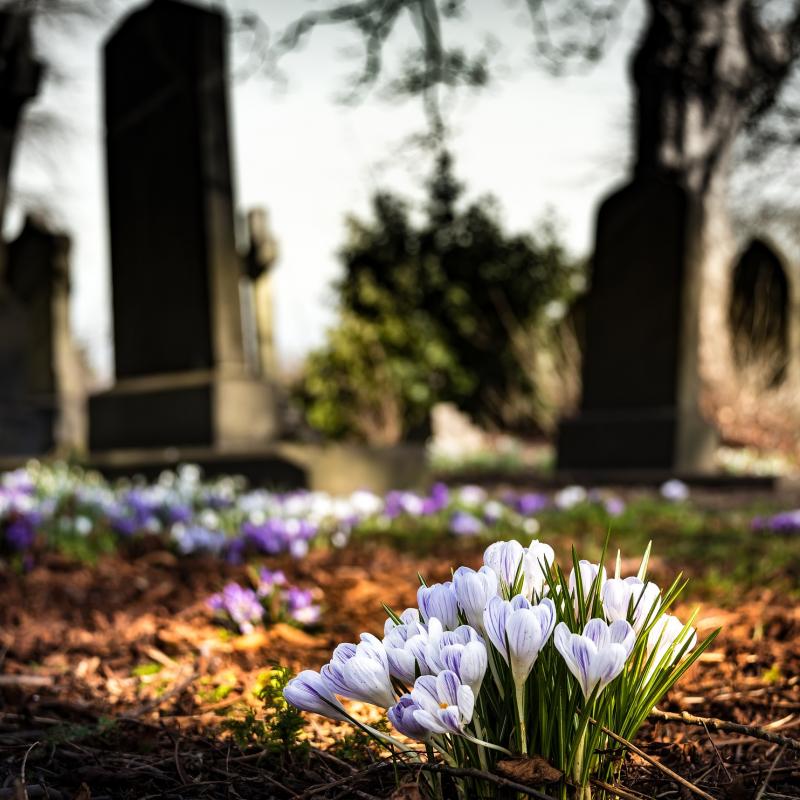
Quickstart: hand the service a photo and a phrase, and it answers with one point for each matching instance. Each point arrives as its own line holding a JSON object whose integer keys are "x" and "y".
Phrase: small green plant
{"x": 279, "y": 730}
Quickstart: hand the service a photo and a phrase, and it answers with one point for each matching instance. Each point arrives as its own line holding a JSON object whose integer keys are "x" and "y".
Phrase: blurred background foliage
{"x": 445, "y": 305}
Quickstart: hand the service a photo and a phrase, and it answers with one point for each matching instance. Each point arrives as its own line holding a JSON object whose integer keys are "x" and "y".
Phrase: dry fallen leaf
{"x": 529, "y": 770}
{"x": 408, "y": 791}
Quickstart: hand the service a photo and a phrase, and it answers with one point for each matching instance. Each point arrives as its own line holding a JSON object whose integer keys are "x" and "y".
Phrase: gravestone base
{"x": 643, "y": 439}
{"x": 195, "y": 409}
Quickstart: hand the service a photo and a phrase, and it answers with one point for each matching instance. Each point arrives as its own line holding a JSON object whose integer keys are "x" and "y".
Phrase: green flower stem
{"x": 523, "y": 734}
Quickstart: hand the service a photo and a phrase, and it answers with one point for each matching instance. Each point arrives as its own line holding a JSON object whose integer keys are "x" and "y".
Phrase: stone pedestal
{"x": 191, "y": 409}
{"x": 182, "y": 375}
{"x": 639, "y": 408}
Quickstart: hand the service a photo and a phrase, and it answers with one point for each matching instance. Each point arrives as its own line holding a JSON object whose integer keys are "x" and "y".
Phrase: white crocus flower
{"x": 444, "y": 704}
{"x": 538, "y": 560}
{"x": 588, "y": 573}
{"x": 596, "y": 656}
{"x": 622, "y": 596}
{"x": 361, "y": 672}
{"x": 473, "y": 591}
{"x": 668, "y": 638}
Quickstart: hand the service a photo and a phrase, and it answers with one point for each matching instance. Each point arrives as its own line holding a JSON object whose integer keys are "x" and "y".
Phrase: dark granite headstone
{"x": 640, "y": 381}
{"x": 43, "y": 396}
{"x": 759, "y": 312}
{"x": 179, "y": 353}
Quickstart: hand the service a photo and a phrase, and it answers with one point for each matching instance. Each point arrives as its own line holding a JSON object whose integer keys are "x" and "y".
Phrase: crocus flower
{"x": 401, "y": 715}
{"x": 268, "y": 580}
{"x": 620, "y": 596}
{"x": 300, "y": 605}
{"x": 461, "y": 651}
{"x": 598, "y": 655}
{"x": 519, "y": 633}
{"x": 445, "y": 705}
{"x": 439, "y": 600}
{"x": 406, "y": 647}
{"x": 361, "y": 672}
{"x": 473, "y": 591}
{"x": 539, "y": 557}
{"x": 240, "y": 604}
{"x": 505, "y": 558}
{"x": 588, "y": 573}
{"x": 462, "y": 523}
{"x": 570, "y": 496}
{"x": 669, "y": 633}
{"x": 310, "y": 692}
{"x": 675, "y": 491}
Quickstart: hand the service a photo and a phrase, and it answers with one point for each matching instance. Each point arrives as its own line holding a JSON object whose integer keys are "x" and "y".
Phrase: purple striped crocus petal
{"x": 310, "y": 692}
{"x": 495, "y": 618}
{"x": 447, "y": 684}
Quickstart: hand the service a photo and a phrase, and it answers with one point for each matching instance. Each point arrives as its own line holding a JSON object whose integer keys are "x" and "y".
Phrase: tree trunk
{"x": 696, "y": 72}
{"x": 20, "y": 75}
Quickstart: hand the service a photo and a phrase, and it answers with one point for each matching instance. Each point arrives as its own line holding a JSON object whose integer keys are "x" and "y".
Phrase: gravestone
{"x": 44, "y": 387}
{"x": 639, "y": 407}
{"x": 759, "y": 313}
{"x": 260, "y": 261}
{"x": 182, "y": 378}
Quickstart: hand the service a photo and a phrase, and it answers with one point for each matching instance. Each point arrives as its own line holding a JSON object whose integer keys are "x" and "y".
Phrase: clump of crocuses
{"x": 244, "y": 608}
{"x": 517, "y": 657}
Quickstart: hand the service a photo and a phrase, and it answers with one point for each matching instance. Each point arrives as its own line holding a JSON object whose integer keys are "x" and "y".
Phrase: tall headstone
{"x": 759, "y": 312}
{"x": 182, "y": 376}
{"x": 43, "y": 379}
{"x": 640, "y": 361}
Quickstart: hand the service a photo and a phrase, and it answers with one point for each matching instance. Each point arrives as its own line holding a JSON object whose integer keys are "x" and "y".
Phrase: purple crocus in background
{"x": 462, "y": 523}
{"x": 301, "y": 607}
{"x": 530, "y": 503}
{"x": 240, "y": 604}
{"x": 782, "y": 522}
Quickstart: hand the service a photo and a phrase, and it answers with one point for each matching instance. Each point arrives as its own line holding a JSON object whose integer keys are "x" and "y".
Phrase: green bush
{"x": 450, "y": 309}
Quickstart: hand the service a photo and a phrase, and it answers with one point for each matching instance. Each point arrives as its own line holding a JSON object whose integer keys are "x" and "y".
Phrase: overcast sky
{"x": 534, "y": 141}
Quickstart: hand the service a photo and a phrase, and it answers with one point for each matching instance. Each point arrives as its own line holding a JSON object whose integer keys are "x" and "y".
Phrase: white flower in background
{"x": 366, "y": 503}
{"x": 619, "y": 596}
{"x": 596, "y": 656}
{"x": 361, "y": 672}
{"x": 675, "y": 491}
{"x": 472, "y": 496}
{"x": 569, "y": 497}
{"x": 531, "y": 526}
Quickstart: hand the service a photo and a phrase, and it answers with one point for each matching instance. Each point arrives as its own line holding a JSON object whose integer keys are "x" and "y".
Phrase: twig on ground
{"x": 442, "y": 769}
{"x": 615, "y": 790}
{"x": 654, "y": 761}
{"x": 754, "y": 731}
{"x": 769, "y": 775}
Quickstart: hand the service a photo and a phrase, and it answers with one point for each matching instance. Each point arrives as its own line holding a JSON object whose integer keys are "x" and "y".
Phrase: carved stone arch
{"x": 759, "y": 312}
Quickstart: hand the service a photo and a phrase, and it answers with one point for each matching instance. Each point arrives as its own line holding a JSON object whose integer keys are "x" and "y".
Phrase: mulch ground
{"x": 115, "y": 683}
